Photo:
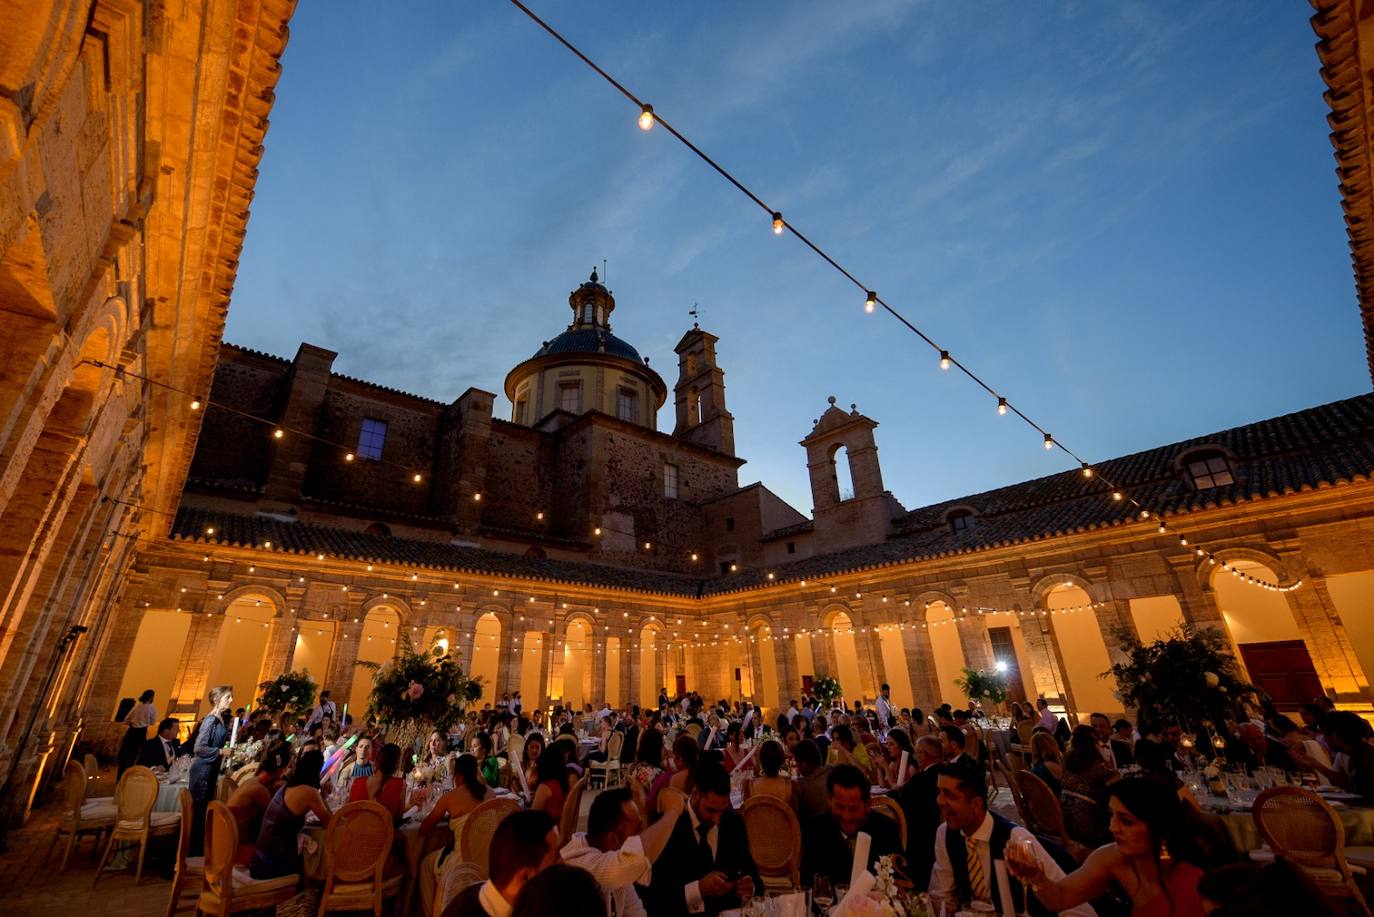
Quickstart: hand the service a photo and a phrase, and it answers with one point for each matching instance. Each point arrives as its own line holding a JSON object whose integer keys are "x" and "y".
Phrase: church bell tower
{"x": 700, "y": 394}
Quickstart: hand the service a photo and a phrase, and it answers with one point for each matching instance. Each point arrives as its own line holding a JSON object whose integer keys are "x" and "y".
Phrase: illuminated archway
{"x": 1081, "y": 647}
{"x": 895, "y": 671}
{"x": 376, "y": 643}
{"x": 532, "y": 651}
{"x": 240, "y": 649}
{"x": 764, "y": 666}
{"x": 947, "y": 651}
{"x": 577, "y": 668}
{"x": 155, "y": 656}
{"x": 846, "y": 656}
{"x": 486, "y": 656}
{"x": 648, "y": 677}
{"x": 1264, "y": 632}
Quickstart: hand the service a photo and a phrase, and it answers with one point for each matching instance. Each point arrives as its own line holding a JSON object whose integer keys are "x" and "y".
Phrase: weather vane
{"x": 695, "y": 311}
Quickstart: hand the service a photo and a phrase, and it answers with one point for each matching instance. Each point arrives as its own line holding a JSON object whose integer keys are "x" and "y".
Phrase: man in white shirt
{"x": 792, "y": 710}
{"x": 615, "y": 850}
{"x": 524, "y": 844}
{"x": 969, "y": 850}
{"x": 885, "y": 708}
{"x": 1047, "y": 718}
{"x": 325, "y": 709}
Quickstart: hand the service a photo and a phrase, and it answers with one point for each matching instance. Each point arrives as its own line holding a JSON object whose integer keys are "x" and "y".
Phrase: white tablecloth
{"x": 169, "y": 796}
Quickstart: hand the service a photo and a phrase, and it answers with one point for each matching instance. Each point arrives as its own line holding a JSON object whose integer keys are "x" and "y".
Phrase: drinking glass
{"x": 1020, "y": 854}
{"x": 822, "y": 893}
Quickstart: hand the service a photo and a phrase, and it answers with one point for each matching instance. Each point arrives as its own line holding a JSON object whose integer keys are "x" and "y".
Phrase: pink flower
{"x": 416, "y": 689}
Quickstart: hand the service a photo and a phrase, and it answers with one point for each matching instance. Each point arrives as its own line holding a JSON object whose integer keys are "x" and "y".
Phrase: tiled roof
{"x": 1337, "y": 24}
{"x": 1320, "y": 447}
{"x": 590, "y": 340}
{"x": 301, "y": 538}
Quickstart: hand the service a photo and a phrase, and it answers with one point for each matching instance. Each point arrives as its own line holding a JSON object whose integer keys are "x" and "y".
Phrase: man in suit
{"x": 162, "y": 749}
{"x": 828, "y": 839}
{"x": 524, "y": 844}
{"x": 917, "y": 799}
{"x": 706, "y": 867}
{"x": 954, "y": 740}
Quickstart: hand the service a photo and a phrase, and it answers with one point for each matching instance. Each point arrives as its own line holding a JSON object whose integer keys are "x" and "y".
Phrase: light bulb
{"x": 416, "y": 478}
{"x": 944, "y": 359}
{"x": 348, "y": 456}
{"x": 646, "y": 117}
{"x": 1001, "y": 406}
{"x": 870, "y": 302}
{"x": 278, "y": 433}
{"x": 195, "y": 404}
{"x": 778, "y": 224}
{"x": 1117, "y": 495}
{"x": 1049, "y": 441}
{"x": 1087, "y": 472}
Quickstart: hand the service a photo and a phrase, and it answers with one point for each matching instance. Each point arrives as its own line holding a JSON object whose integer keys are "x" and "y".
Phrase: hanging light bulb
{"x": 778, "y": 224}
{"x": 278, "y": 433}
{"x": 348, "y": 456}
{"x": 1049, "y": 441}
{"x": 1001, "y": 407}
{"x": 1087, "y": 472}
{"x": 416, "y": 478}
{"x": 870, "y": 302}
{"x": 195, "y": 404}
{"x": 646, "y": 117}
{"x": 944, "y": 359}
{"x": 1118, "y": 495}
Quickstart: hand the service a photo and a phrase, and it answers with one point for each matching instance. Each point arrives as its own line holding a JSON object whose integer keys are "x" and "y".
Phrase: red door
{"x": 1284, "y": 670}
{"x": 681, "y": 685}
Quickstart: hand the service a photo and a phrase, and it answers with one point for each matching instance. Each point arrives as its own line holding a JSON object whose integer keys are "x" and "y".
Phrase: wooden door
{"x": 1284, "y": 669}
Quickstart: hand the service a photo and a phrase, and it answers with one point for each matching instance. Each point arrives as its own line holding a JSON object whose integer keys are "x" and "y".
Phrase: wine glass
{"x": 1020, "y": 857}
{"x": 822, "y": 893}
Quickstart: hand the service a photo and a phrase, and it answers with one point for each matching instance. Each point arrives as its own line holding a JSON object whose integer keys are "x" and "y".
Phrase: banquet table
{"x": 1001, "y": 738}
{"x": 1238, "y": 822}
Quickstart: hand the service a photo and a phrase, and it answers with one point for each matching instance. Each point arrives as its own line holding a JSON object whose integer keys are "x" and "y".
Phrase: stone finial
{"x": 831, "y": 399}
{"x": 594, "y": 275}
{"x": 853, "y": 408}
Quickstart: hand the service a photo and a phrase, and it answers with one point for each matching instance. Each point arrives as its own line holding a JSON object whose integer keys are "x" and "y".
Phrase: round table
{"x": 1238, "y": 823}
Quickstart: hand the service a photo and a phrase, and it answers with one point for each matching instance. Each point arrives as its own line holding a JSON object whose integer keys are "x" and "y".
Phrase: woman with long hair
{"x": 467, "y": 794}
{"x": 211, "y": 747}
{"x": 278, "y": 849}
{"x": 383, "y": 787}
{"x": 436, "y": 756}
{"x": 686, "y": 753}
{"x": 770, "y": 782}
{"x": 1083, "y": 791}
{"x": 897, "y": 742}
{"x": 1158, "y": 853}
{"x": 551, "y": 773}
{"x": 534, "y": 747}
{"x": 249, "y": 802}
{"x": 734, "y": 751}
{"x": 1047, "y": 761}
{"x": 648, "y": 765}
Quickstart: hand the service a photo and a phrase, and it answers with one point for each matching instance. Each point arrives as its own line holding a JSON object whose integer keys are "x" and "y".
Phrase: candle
{"x": 862, "y": 842}
{"x": 901, "y": 770}
{"x": 745, "y": 759}
{"x": 234, "y": 736}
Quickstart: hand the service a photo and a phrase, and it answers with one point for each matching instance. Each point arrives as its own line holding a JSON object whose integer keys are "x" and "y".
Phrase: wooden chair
{"x": 1045, "y": 817}
{"x": 357, "y": 844}
{"x": 97, "y": 787}
{"x": 612, "y": 763}
{"x": 454, "y": 876}
{"x": 567, "y": 824}
{"x": 79, "y": 817}
{"x": 190, "y": 871}
{"x": 515, "y": 750}
{"x": 1009, "y": 778}
{"x": 774, "y": 840}
{"x": 886, "y": 805}
{"x": 474, "y": 846}
{"x": 225, "y": 788}
{"x": 1300, "y": 827}
{"x": 228, "y": 889}
{"x": 135, "y": 819}
{"x": 1024, "y": 731}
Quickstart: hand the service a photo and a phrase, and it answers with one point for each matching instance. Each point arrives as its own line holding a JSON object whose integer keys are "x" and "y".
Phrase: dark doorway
{"x": 1284, "y": 670}
{"x": 1003, "y": 650}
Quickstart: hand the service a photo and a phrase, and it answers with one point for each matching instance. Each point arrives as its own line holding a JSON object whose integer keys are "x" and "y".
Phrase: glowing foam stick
{"x": 335, "y": 758}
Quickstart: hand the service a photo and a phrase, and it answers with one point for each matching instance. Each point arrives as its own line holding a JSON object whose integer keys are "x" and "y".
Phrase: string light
{"x": 1001, "y": 406}
{"x": 195, "y": 404}
{"x": 348, "y": 456}
{"x": 870, "y": 302}
{"x": 778, "y": 224}
{"x": 278, "y": 433}
{"x": 944, "y": 359}
{"x": 1049, "y": 441}
{"x": 646, "y": 117}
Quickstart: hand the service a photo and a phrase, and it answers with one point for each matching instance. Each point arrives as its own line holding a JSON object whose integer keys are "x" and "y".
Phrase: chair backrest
{"x": 515, "y": 750}
{"x": 136, "y": 794}
{"x": 1025, "y": 730}
{"x": 91, "y": 765}
{"x": 694, "y": 730}
{"x": 249, "y": 771}
{"x": 221, "y": 843}
{"x": 1298, "y": 825}
{"x": 971, "y": 743}
{"x": 1009, "y": 775}
{"x": 73, "y": 788}
{"x": 357, "y": 842}
{"x": 613, "y": 746}
{"x": 774, "y": 837}
{"x": 454, "y": 877}
{"x": 475, "y": 844}
{"x": 1044, "y": 815}
{"x": 886, "y": 805}
{"x": 184, "y": 836}
{"x": 567, "y": 825}
{"x": 225, "y": 788}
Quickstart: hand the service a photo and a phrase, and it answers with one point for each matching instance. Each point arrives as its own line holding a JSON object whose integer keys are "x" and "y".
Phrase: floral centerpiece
{"x": 892, "y": 895}
{"x": 1190, "y": 676}
{"x": 981, "y": 685}
{"x": 826, "y": 688}
{"x": 292, "y": 694}
{"x": 417, "y": 692}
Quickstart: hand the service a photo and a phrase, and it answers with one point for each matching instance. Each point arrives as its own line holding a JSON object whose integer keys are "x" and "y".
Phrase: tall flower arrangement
{"x": 826, "y": 688}
{"x": 292, "y": 693}
{"x": 981, "y": 685}
{"x": 418, "y": 691}
{"x": 1190, "y": 676}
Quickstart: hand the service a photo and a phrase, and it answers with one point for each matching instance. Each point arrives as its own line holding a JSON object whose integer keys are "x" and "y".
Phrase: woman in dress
{"x": 142, "y": 716}
{"x": 278, "y": 849}
{"x": 436, "y": 756}
{"x": 1159, "y": 852}
{"x": 490, "y": 765}
{"x": 648, "y": 765}
{"x": 770, "y": 783}
{"x": 467, "y": 794}
{"x": 211, "y": 747}
{"x": 1083, "y": 794}
{"x": 734, "y": 751}
{"x": 1048, "y": 761}
{"x": 551, "y": 771}
{"x": 534, "y": 747}
{"x": 383, "y": 787}
{"x": 249, "y": 802}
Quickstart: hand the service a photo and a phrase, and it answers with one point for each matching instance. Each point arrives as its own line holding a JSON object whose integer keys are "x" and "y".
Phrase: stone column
{"x": 870, "y": 661}
{"x": 634, "y": 666}
{"x": 920, "y": 662}
{"x": 598, "y": 666}
{"x": 1114, "y": 618}
{"x": 1327, "y": 644}
{"x": 189, "y": 685}
{"x": 1198, "y": 604}
{"x": 789, "y": 675}
{"x": 507, "y": 669}
{"x": 974, "y": 641}
{"x": 1359, "y": 678}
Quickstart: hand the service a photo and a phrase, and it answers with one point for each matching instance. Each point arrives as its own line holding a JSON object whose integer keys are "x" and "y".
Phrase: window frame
{"x": 371, "y": 444}
{"x": 671, "y": 481}
{"x": 961, "y": 520}
{"x": 570, "y": 387}
{"x": 1214, "y": 465}
{"x": 624, "y": 397}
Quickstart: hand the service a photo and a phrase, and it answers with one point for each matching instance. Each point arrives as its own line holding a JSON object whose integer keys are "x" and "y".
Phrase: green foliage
{"x": 1190, "y": 676}
{"x": 293, "y": 693}
{"x": 826, "y": 688}
{"x": 420, "y": 688}
{"x": 980, "y": 685}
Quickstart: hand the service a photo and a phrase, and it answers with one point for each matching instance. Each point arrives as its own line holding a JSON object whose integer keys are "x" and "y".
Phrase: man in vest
{"x": 970, "y": 850}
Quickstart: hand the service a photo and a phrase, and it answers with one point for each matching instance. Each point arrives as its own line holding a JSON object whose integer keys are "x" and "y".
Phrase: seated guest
{"x": 551, "y": 781}
{"x": 467, "y": 794}
{"x": 917, "y": 799}
{"x": 1085, "y": 777}
{"x": 1123, "y": 743}
{"x": 648, "y": 765}
{"x": 954, "y": 746}
{"x": 1254, "y": 749}
{"x": 812, "y": 798}
{"x": 1146, "y": 819}
{"x": 828, "y": 838}
{"x": 564, "y": 890}
{"x": 618, "y": 849}
{"x": 770, "y": 783}
{"x": 249, "y": 802}
{"x": 897, "y": 742}
{"x": 686, "y": 754}
{"x": 971, "y": 841}
{"x": 362, "y": 765}
{"x": 604, "y": 733}
{"x": 1346, "y": 734}
{"x": 734, "y": 751}
{"x": 1048, "y": 762}
{"x": 706, "y": 865}
{"x": 534, "y": 747}
{"x": 489, "y": 764}
{"x": 1277, "y": 889}
{"x": 278, "y": 852}
{"x": 383, "y": 787}
{"x": 162, "y": 749}
{"x": 523, "y": 845}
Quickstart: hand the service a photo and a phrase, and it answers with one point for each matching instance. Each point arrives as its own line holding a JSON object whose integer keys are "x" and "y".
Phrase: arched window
{"x": 1208, "y": 469}
{"x": 844, "y": 479}
{"x": 961, "y": 520}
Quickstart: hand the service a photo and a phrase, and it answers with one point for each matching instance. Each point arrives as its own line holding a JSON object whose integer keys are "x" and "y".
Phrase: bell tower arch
{"x": 699, "y": 395}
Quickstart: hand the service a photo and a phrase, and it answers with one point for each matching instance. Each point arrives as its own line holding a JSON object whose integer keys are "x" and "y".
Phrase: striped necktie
{"x": 978, "y": 883}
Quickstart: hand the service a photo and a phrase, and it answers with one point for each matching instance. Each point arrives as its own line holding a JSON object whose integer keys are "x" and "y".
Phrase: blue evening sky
{"x": 1124, "y": 215}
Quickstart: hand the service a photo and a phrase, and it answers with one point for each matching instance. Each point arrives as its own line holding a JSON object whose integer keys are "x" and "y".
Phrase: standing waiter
{"x": 138, "y": 719}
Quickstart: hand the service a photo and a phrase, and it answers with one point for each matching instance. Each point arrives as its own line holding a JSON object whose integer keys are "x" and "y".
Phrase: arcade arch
{"x": 1082, "y": 649}
{"x": 376, "y": 643}
{"x": 846, "y": 655}
{"x": 486, "y": 656}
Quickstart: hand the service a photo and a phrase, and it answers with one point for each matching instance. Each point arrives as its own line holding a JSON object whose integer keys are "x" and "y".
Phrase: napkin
{"x": 862, "y": 842}
{"x": 859, "y": 887}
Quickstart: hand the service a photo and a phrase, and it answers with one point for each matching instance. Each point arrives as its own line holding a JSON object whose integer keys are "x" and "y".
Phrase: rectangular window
{"x": 626, "y": 406}
{"x": 791, "y": 547}
{"x": 1211, "y": 472}
{"x": 729, "y": 523}
{"x": 670, "y": 481}
{"x": 521, "y": 407}
{"x": 371, "y": 439}
{"x": 570, "y": 397}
